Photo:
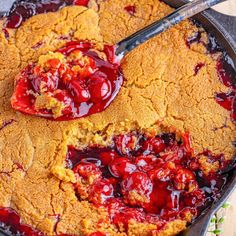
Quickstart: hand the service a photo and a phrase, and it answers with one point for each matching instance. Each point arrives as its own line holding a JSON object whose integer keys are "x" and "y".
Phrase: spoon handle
{"x": 188, "y": 10}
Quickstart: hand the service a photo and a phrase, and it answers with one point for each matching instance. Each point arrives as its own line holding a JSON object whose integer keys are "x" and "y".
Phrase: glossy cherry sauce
{"x": 153, "y": 179}
{"x": 22, "y": 10}
{"x": 10, "y": 222}
{"x": 83, "y": 86}
{"x": 148, "y": 179}
{"x": 227, "y": 76}
{"x": 131, "y": 9}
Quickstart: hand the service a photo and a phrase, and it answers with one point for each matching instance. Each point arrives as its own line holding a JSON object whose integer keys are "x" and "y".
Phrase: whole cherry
{"x": 100, "y": 191}
{"x": 163, "y": 172}
{"x": 136, "y": 188}
{"x": 79, "y": 93}
{"x": 147, "y": 162}
{"x": 107, "y": 157}
{"x": 99, "y": 88}
{"x": 154, "y": 145}
{"x": 121, "y": 167}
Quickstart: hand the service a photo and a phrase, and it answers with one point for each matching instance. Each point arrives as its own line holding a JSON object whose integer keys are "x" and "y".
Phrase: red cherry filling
{"x": 183, "y": 178}
{"x": 87, "y": 170}
{"x": 136, "y": 189}
{"x": 126, "y": 144}
{"x": 80, "y": 2}
{"x": 153, "y": 179}
{"x": 121, "y": 166}
{"x": 100, "y": 191}
{"x": 198, "y": 67}
{"x": 73, "y": 82}
{"x": 130, "y": 9}
{"x": 107, "y": 157}
{"x": 79, "y": 93}
{"x": 139, "y": 186}
{"x": 12, "y": 223}
{"x": 228, "y": 101}
{"x": 147, "y": 162}
{"x": 97, "y": 234}
{"x": 124, "y": 215}
{"x": 100, "y": 89}
{"x": 162, "y": 172}
{"x": 227, "y": 76}
{"x": 154, "y": 145}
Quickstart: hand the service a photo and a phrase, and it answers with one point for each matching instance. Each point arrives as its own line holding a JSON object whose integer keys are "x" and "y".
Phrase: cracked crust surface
{"x": 160, "y": 88}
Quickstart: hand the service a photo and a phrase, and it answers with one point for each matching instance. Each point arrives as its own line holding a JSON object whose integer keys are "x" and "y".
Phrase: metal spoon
{"x": 188, "y": 10}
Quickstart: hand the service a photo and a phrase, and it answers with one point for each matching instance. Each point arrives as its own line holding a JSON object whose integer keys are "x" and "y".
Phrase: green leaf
{"x": 213, "y": 219}
{"x": 225, "y": 205}
{"x": 216, "y": 231}
{"x": 221, "y": 220}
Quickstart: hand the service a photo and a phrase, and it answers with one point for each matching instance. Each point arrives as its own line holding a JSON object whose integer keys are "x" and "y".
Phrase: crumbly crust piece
{"x": 160, "y": 88}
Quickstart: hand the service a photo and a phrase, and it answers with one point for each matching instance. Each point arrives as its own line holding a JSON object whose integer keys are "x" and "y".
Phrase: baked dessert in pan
{"x": 148, "y": 163}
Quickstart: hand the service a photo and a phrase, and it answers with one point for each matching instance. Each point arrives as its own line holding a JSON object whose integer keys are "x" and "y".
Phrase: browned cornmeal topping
{"x": 160, "y": 90}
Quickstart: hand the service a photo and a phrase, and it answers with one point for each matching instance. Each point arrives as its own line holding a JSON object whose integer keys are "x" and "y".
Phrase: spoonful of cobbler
{"x": 83, "y": 78}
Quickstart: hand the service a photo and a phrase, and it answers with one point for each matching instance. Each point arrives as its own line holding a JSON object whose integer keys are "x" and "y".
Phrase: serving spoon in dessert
{"x": 62, "y": 89}
{"x": 186, "y": 11}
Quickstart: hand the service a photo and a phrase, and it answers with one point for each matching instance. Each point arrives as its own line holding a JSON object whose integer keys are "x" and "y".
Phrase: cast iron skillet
{"x": 208, "y": 20}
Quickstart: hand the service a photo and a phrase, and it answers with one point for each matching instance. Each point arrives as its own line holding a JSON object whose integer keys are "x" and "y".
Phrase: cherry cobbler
{"x": 91, "y": 145}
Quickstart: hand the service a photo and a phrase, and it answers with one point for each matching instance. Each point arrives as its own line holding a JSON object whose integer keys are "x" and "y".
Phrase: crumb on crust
{"x": 45, "y": 101}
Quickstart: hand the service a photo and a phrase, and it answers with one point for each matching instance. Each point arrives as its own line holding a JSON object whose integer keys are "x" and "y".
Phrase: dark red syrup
{"x": 22, "y": 10}
{"x": 226, "y": 71}
{"x": 82, "y": 92}
{"x": 6, "y": 123}
{"x": 212, "y": 46}
{"x": 6, "y": 33}
{"x": 194, "y": 39}
{"x": 226, "y": 100}
{"x": 37, "y": 45}
{"x": 131, "y": 9}
{"x": 198, "y": 67}
{"x": 11, "y": 224}
{"x": 227, "y": 75}
{"x": 148, "y": 179}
